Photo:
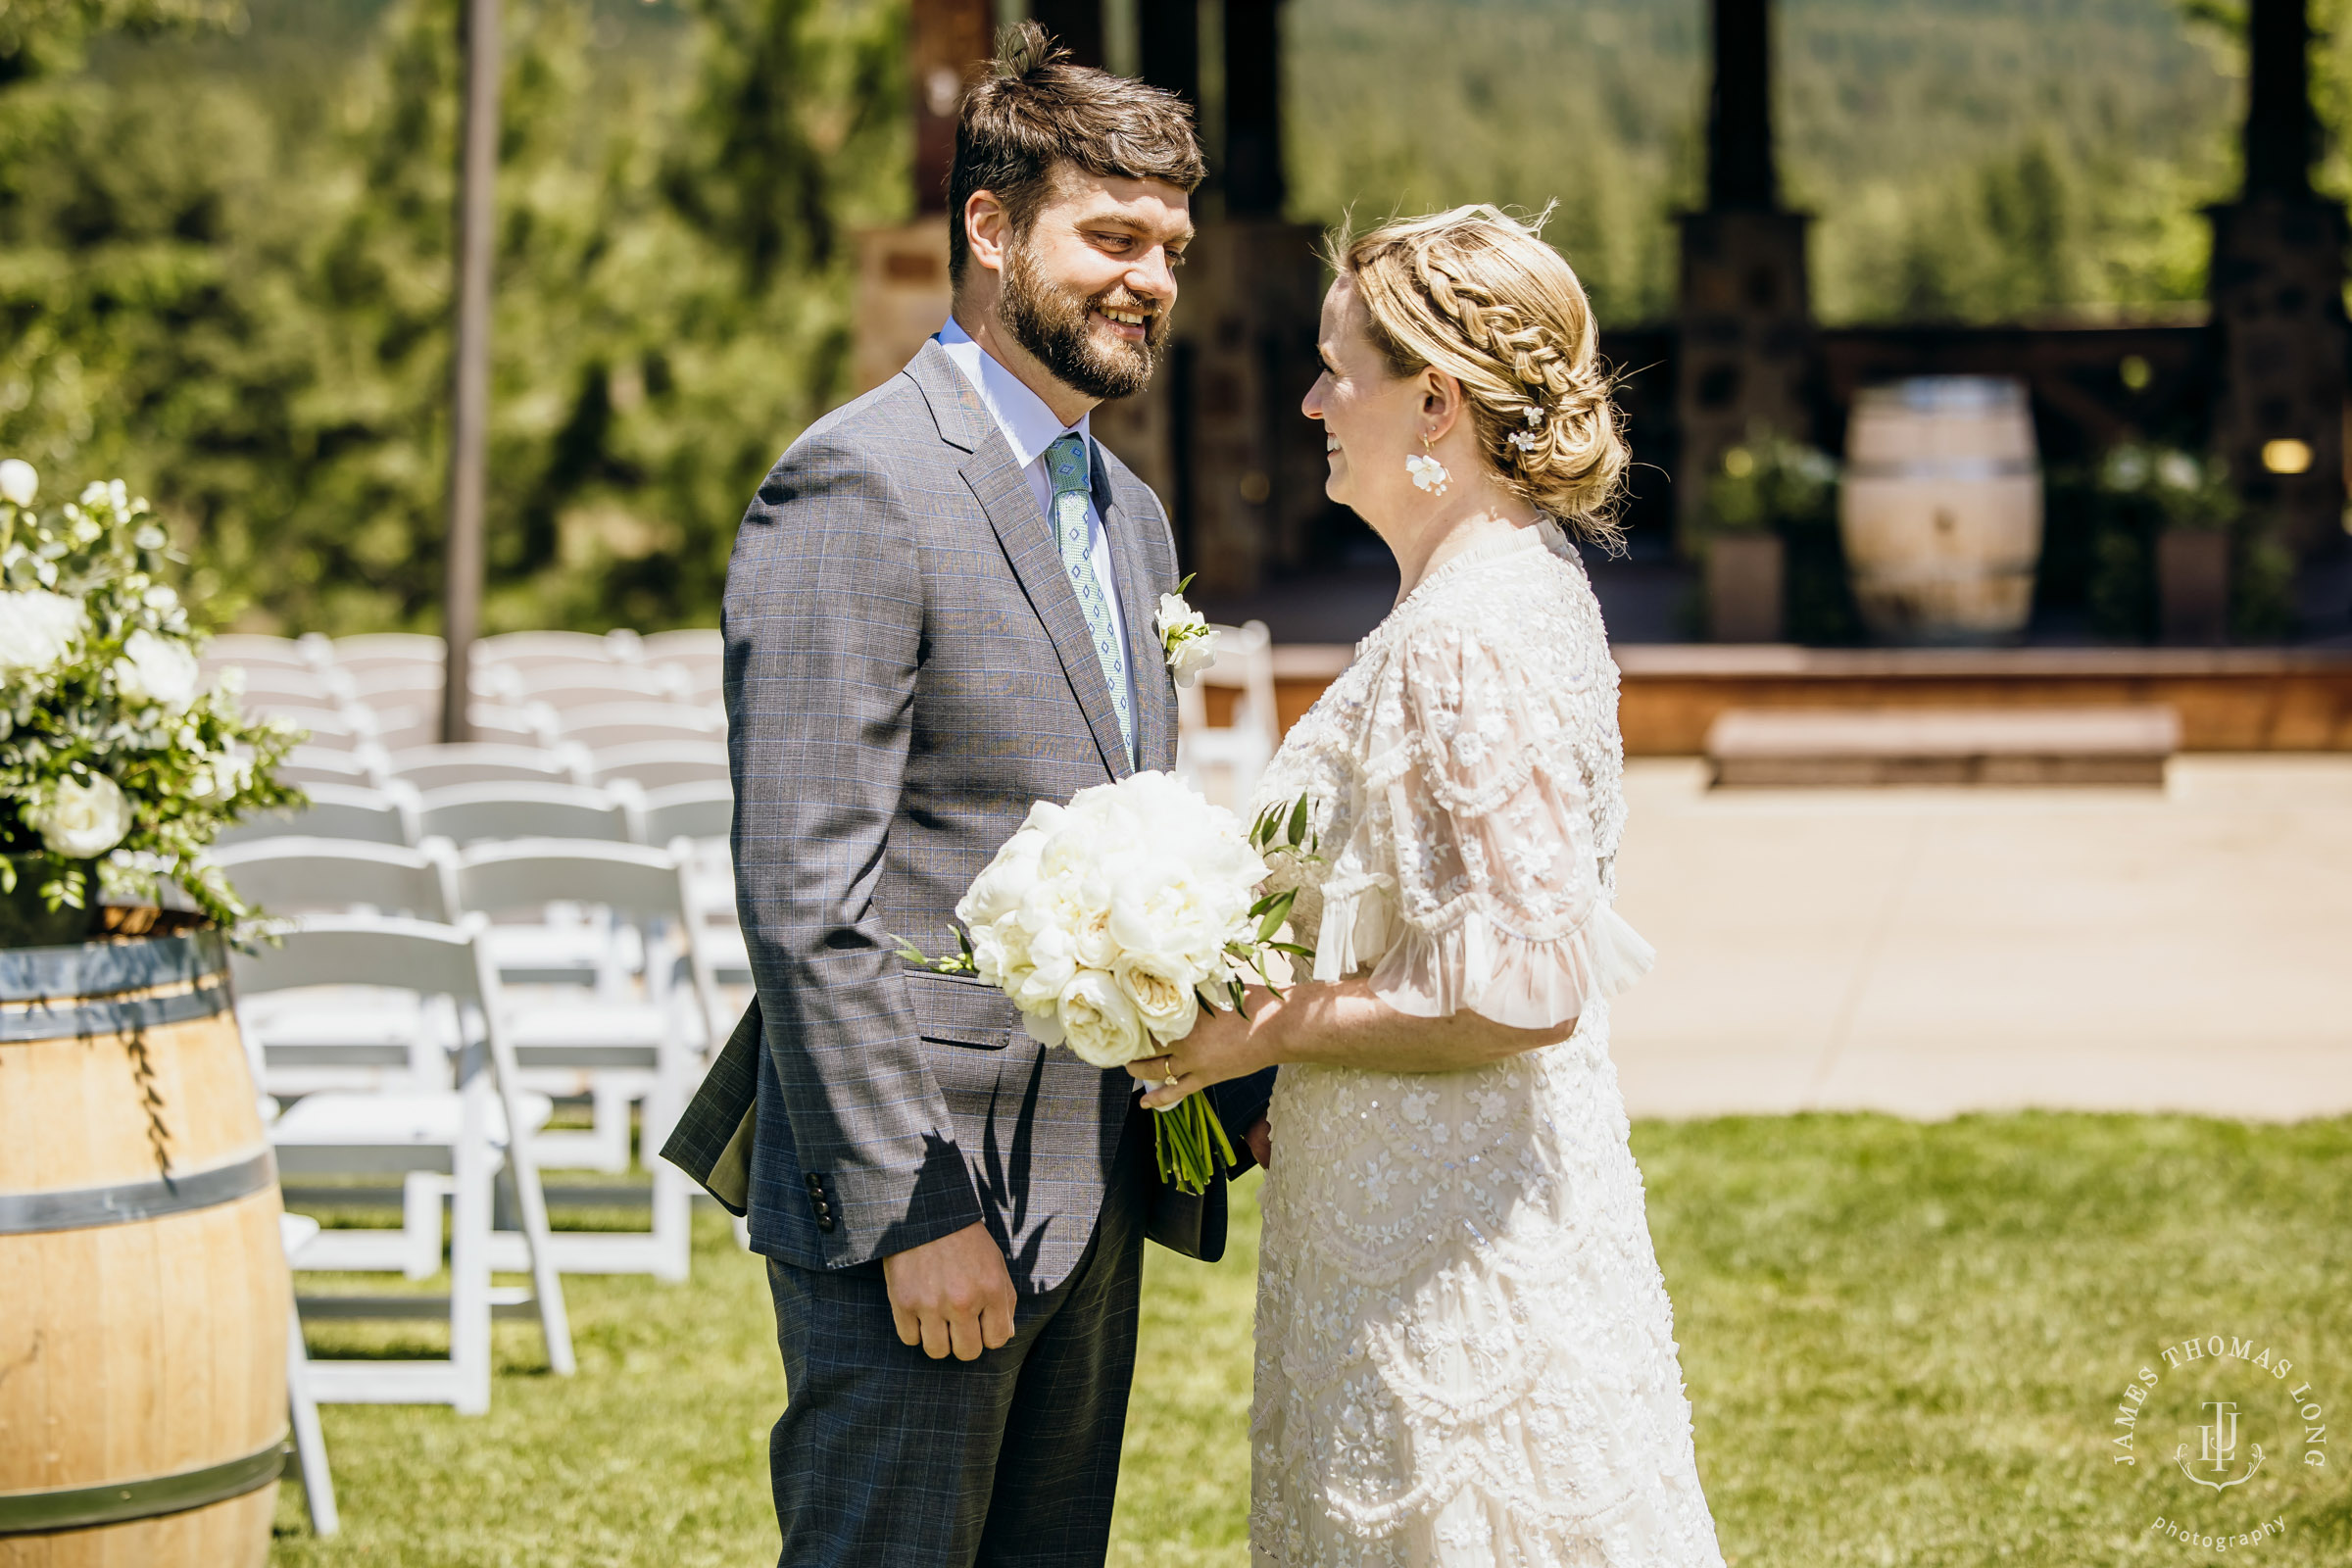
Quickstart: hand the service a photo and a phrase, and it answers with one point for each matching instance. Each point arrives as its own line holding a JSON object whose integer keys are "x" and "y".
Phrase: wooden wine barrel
{"x": 1941, "y": 510}
{"x": 143, "y": 1293}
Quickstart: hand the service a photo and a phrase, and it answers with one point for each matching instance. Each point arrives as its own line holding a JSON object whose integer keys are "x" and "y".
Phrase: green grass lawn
{"x": 1904, "y": 1344}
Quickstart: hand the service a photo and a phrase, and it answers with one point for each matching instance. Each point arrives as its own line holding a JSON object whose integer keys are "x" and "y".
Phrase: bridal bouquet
{"x": 1112, "y": 920}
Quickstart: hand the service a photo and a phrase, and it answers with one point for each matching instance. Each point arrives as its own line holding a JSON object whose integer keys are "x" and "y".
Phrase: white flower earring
{"x": 1428, "y": 473}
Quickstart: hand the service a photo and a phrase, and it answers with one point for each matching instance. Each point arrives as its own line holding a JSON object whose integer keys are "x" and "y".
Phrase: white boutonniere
{"x": 1187, "y": 636}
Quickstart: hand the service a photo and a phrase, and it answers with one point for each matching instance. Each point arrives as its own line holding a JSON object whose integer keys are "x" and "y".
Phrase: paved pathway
{"x": 1930, "y": 951}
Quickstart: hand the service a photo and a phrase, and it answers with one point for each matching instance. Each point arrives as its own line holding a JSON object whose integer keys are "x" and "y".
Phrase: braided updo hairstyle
{"x": 1478, "y": 295}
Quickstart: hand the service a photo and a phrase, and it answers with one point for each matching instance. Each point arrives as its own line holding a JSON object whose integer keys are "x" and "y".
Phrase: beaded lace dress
{"x": 1465, "y": 1352}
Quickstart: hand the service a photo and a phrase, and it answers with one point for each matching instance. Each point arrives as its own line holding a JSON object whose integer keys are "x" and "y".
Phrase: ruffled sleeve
{"x": 1496, "y": 903}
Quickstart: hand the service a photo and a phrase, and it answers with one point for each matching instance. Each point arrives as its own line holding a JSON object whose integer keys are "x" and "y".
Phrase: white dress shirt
{"x": 1029, "y": 428}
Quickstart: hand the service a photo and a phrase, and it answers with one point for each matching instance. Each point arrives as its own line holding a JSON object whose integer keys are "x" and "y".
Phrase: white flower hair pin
{"x": 1526, "y": 440}
{"x": 1190, "y": 641}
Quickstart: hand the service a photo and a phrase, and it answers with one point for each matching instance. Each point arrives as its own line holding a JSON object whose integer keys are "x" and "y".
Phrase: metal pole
{"x": 469, "y": 374}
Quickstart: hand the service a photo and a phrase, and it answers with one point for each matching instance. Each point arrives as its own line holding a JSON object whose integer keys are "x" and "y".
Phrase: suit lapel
{"x": 1028, "y": 539}
{"x": 1144, "y": 573}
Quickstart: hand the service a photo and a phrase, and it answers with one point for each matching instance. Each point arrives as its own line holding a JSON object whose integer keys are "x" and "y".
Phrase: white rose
{"x": 1161, "y": 989}
{"x": 1184, "y": 632}
{"x": 81, "y": 821}
{"x": 157, "y": 671}
{"x": 19, "y": 483}
{"x": 1099, "y": 1023}
{"x": 37, "y": 629}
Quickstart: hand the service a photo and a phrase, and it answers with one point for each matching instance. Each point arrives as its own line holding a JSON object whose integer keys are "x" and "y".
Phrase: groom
{"x": 939, "y": 612}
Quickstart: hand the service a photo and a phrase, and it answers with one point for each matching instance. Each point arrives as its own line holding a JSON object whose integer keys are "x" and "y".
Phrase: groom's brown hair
{"x": 1036, "y": 110}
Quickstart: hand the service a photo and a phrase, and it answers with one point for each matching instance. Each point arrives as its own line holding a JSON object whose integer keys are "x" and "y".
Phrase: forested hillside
{"x": 223, "y": 257}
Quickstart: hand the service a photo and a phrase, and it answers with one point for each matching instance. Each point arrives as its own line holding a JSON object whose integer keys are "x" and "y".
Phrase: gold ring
{"x": 1169, "y": 1082}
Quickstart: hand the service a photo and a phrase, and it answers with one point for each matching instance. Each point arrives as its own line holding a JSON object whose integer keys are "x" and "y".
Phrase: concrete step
{"x": 1779, "y": 748}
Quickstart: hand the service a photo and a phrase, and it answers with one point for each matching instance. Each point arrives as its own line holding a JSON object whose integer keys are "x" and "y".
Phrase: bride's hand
{"x": 1222, "y": 1046}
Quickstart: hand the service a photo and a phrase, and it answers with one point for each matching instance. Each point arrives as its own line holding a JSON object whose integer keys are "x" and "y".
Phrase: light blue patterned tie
{"x": 1065, "y": 465}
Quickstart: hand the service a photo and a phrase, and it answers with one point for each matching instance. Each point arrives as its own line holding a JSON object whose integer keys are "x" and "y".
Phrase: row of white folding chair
{"x": 348, "y": 726}
{"x": 1224, "y": 760}
{"x": 618, "y": 1048}
{"x": 463, "y": 1132}
{"x": 617, "y": 812}
{"x": 562, "y": 687}
{"x": 620, "y": 646}
{"x": 437, "y": 766}
{"x": 607, "y": 726}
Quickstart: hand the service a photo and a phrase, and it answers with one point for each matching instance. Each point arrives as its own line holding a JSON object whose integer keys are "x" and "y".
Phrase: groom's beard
{"x": 1052, "y": 323}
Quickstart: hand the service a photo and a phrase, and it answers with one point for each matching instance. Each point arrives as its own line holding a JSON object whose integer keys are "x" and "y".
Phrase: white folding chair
{"x": 687, "y": 645}
{"x": 1224, "y": 760}
{"x": 255, "y": 650}
{"x": 662, "y": 764}
{"x": 469, "y": 813}
{"x": 360, "y": 768}
{"x": 647, "y": 1048}
{"x": 699, "y": 820}
{"x": 378, "y": 648}
{"x": 386, "y": 815}
{"x": 473, "y": 1132}
{"x": 526, "y": 650}
{"x": 564, "y": 687}
{"x": 295, "y": 1232}
{"x": 293, "y": 686}
{"x": 435, "y": 767}
{"x": 346, "y": 728}
{"x": 614, "y": 724}
{"x": 512, "y": 724}
{"x": 311, "y": 1041}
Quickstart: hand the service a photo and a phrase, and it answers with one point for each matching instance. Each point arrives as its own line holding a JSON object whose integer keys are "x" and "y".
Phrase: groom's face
{"x": 1089, "y": 287}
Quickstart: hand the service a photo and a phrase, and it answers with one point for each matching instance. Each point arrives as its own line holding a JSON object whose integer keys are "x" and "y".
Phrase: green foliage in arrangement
{"x": 1904, "y": 1344}
{"x": 1771, "y": 484}
{"x": 113, "y": 752}
{"x": 2099, "y": 549}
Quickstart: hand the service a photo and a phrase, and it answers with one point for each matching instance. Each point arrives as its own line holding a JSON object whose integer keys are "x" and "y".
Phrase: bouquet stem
{"x": 1192, "y": 1147}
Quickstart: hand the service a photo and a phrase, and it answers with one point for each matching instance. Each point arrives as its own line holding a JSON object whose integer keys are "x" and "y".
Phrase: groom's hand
{"x": 953, "y": 1295}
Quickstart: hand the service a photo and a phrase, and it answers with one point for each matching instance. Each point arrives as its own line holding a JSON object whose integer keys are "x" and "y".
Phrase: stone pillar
{"x": 2276, "y": 289}
{"x": 901, "y": 293}
{"x": 1746, "y": 316}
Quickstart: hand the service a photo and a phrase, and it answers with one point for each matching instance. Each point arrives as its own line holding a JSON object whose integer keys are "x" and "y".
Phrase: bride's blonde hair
{"x": 1478, "y": 295}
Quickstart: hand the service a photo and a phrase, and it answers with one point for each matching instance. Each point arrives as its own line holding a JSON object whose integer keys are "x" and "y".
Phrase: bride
{"x": 1465, "y": 1352}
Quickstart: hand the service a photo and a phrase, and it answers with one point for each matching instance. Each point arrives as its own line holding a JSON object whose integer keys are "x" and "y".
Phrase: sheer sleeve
{"x": 1498, "y": 905}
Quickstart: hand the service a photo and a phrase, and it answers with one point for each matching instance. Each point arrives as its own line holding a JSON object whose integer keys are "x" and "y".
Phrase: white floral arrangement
{"x": 1112, "y": 920}
{"x": 113, "y": 758}
{"x": 1186, "y": 636}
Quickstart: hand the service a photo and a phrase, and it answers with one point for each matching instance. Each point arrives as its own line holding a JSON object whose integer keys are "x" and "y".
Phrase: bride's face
{"x": 1372, "y": 421}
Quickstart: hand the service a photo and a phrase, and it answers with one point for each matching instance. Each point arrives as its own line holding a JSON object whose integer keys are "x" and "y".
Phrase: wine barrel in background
{"x": 143, "y": 1293}
{"x": 1940, "y": 510}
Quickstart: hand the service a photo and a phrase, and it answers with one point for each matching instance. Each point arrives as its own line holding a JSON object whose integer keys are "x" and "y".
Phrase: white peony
{"x": 1099, "y": 1023}
{"x": 1161, "y": 989}
{"x": 81, "y": 821}
{"x": 19, "y": 483}
{"x": 157, "y": 671}
{"x": 1191, "y": 647}
{"x": 37, "y": 629}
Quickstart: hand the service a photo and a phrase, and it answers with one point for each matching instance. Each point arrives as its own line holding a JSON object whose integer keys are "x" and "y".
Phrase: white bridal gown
{"x": 1465, "y": 1354}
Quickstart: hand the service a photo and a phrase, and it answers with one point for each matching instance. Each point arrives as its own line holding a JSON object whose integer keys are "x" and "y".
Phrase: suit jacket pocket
{"x": 958, "y": 1010}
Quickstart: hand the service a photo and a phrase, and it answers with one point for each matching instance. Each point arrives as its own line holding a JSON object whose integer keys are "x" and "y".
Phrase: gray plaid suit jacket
{"x": 908, "y": 670}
